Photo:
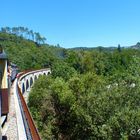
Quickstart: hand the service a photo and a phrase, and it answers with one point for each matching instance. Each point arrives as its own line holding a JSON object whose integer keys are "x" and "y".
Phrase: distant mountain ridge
{"x": 137, "y": 46}
{"x": 99, "y": 48}
{"x": 111, "y": 48}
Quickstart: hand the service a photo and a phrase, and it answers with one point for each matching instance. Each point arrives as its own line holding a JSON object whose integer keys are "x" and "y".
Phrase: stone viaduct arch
{"x": 31, "y": 81}
{"x": 27, "y": 80}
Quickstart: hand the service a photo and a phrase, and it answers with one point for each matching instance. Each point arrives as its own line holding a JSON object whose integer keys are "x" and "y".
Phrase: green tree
{"x": 62, "y": 69}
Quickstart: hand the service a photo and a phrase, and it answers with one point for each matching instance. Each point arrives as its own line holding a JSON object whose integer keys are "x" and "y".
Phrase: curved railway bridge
{"x": 20, "y": 125}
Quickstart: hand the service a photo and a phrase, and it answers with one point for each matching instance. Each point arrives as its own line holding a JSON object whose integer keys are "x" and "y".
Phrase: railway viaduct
{"x": 25, "y": 128}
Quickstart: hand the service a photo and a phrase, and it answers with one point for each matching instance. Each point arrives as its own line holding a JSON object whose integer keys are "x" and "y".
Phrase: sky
{"x": 76, "y": 23}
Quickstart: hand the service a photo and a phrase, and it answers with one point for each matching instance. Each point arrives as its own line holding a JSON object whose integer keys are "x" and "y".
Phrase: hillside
{"x": 28, "y": 54}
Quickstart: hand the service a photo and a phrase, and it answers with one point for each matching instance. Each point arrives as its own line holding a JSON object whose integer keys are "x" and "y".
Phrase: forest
{"x": 91, "y": 94}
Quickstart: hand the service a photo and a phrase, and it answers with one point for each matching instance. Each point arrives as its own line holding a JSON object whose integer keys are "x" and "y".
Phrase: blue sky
{"x": 76, "y": 23}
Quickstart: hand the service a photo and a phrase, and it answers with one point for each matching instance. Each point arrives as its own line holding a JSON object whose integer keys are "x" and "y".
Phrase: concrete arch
{"x": 27, "y": 84}
{"x": 29, "y": 78}
{"x": 31, "y": 81}
{"x": 40, "y": 73}
{"x": 23, "y": 88}
{"x": 35, "y": 78}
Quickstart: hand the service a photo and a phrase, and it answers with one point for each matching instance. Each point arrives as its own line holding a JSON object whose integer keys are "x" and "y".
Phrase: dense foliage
{"x": 27, "y": 54}
{"x": 84, "y": 107}
{"x": 91, "y": 93}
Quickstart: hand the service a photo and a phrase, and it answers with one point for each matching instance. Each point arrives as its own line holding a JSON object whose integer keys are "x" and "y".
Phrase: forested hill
{"x": 107, "y": 49}
{"x": 28, "y": 50}
{"x": 91, "y": 94}
{"x": 28, "y": 54}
